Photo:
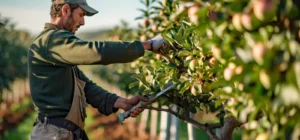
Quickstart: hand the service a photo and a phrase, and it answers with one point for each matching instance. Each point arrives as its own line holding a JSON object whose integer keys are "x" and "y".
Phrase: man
{"x": 60, "y": 91}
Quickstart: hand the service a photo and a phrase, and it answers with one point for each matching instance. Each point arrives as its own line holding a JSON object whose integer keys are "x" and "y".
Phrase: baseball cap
{"x": 81, "y": 3}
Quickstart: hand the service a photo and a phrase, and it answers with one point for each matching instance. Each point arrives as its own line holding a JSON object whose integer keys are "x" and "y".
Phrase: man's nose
{"x": 82, "y": 22}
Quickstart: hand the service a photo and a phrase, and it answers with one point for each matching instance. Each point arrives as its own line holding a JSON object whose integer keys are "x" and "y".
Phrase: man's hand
{"x": 159, "y": 45}
{"x": 126, "y": 104}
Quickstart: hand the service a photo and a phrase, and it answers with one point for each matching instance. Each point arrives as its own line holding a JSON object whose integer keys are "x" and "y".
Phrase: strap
{"x": 76, "y": 74}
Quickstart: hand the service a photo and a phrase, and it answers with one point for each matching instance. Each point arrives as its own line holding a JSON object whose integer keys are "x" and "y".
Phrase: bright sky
{"x": 32, "y": 14}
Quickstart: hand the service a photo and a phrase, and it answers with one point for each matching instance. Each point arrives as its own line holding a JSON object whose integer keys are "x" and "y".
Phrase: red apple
{"x": 192, "y": 13}
{"x": 228, "y": 73}
{"x": 258, "y": 52}
{"x": 192, "y": 64}
{"x": 250, "y": 22}
{"x": 158, "y": 56}
{"x": 264, "y": 10}
{"x": 212, "y": 62}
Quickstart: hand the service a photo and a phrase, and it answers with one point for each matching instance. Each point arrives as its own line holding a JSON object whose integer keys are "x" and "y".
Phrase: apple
{"x": 264, "y": 10}
{"x": 263, "y": 136}
{"x": 258, "y": 52}
{"x": 238, "y": 70}
{"x": 237, "y": 23}
{"x": 158, "y": 56}
{"x": 212, "y": 62}
{"x": 154, "y": 27}
{"x": 192, "y": 64}
{"x": 228, "y": 73}
{"x": 250, "y": 22}
{"x": 192, "y": 13}
{"x": 143, "y": 37}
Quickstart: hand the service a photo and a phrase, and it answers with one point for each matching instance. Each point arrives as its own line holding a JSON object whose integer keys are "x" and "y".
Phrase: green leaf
{"x": 147, "y": 3}
{"x": 141, "y": 17}
{"x": 192, "y": 109}
{"x": 184, "y": 53}
{"x": 142, "y": 1}
{"x": 150, "y": 69}
{"x": 142, "y": 79}
{"x": 142, "y": 10}
{"x": 290, "y": 95}
{"x": 186, "y": 86}
{"x": 218, "y": 103}
{"x": 132, "y": 85}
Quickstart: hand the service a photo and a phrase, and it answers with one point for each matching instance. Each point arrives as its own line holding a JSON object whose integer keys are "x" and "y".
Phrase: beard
{"x": 69, "y": 26}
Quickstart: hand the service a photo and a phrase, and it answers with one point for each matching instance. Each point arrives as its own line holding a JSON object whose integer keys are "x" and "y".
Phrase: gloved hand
{"x": 159, "y": 44}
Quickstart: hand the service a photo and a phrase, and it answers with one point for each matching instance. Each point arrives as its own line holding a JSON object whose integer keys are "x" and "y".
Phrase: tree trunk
{"x": 227, "y": 130}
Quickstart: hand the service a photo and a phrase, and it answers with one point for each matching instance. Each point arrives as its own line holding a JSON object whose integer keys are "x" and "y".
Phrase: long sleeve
{"x": 65, "y": 49}
{"x": 97, "y": 96}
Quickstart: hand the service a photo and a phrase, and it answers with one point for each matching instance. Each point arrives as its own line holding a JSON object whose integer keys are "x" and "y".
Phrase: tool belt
{"x": 77, "y": 132}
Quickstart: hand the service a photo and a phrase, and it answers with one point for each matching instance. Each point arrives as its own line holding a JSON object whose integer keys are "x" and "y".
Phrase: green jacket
{"x": 51, "y": 57}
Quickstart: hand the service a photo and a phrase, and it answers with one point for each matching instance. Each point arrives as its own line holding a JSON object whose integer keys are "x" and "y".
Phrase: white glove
{"x": 159, "y": 44}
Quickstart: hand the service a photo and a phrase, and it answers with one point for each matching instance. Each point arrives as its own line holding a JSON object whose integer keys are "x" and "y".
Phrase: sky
{"x": 32, "y": 14}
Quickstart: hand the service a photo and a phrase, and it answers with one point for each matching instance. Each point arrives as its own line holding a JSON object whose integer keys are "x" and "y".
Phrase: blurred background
{"x": 22, "y": 20}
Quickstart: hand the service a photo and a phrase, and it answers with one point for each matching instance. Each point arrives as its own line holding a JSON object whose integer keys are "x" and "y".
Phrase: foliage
{"x": 13, "y": 53}
{"x": 239, "y": 58}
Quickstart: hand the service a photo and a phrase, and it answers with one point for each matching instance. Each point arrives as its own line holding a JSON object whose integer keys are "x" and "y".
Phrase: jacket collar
{"x": 50, "y": 26}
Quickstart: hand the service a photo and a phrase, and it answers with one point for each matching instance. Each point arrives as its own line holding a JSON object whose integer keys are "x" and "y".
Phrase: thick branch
{"x": 206, "y": 127}
{"x": 229, "y": 125}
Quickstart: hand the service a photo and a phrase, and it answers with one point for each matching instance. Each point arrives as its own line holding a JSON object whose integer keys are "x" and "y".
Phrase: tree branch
{"x": 206, "y": 127}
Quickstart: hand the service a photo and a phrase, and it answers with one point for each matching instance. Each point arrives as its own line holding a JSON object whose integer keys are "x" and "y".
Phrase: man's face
{"x": 74, "y": 20}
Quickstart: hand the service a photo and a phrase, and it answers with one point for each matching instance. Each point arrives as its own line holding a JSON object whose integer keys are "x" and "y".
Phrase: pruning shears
{"x": 141, "y": 104}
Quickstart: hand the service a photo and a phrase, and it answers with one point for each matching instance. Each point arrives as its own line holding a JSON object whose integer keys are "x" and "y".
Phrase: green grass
{"x": 22, "y": 132}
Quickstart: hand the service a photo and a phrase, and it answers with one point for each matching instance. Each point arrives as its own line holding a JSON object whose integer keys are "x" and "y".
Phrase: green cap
{"x": 81, "y": 3}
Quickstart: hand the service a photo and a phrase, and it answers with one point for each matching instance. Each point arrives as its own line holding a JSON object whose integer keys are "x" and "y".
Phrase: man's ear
{"x": 66, "y": 10}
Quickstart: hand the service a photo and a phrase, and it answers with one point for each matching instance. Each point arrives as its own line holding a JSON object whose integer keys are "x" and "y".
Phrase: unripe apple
{"x": 228, "y": 73}
{"x": 250, "y": 22}
{"x": 237, "y": 23}
{"x": 192, "y": 64}
{"x": 154, "y": 27}
{"x": 212, "y": 62}
{"x": 192, "y": 13}
{"x": 238, "y": 70}
{"x": 264, "y": 10}
{"x": 158, "y": 56}
{"x": 143, "y": 37}
{"x": 263, "y": 136}
{"x": 265, "y": 79}
{"x": 258, "y": 52}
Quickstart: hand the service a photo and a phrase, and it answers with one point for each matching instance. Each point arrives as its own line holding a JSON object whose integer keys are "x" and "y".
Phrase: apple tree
{"x": 238, "y": 58}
